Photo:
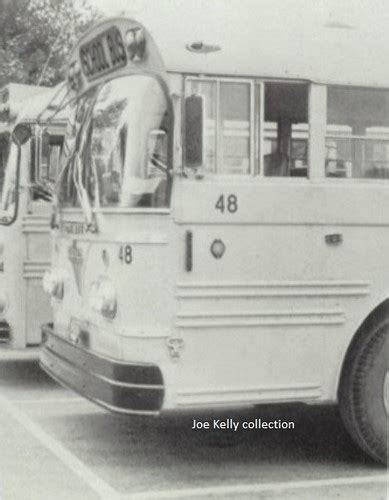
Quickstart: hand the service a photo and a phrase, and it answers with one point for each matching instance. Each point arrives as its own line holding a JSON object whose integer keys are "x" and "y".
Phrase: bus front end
{"x": 29, "y": 151}
{"x": 109, "y": 271}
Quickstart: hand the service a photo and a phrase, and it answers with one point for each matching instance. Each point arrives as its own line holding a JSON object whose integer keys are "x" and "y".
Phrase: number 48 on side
{"x": 227, "y": 203}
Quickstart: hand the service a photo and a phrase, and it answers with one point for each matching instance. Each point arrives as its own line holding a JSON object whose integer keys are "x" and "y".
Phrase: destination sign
{"x": 103, "y": 54}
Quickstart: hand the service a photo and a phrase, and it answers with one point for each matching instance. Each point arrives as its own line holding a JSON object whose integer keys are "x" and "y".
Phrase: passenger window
{"x": 357, "y": 134}
{"x": 286, "y": 130}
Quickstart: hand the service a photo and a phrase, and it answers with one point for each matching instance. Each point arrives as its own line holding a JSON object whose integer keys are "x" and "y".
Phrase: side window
{"x": 234, "y": 128}
{"x": 357, "y": 133}
{"x": 234, "y": 109}
{"x": 286, "y": 131}
{"x": 51, "y": 148}
{"x": 44, "y": 175}
{"x": 227, "y": 124}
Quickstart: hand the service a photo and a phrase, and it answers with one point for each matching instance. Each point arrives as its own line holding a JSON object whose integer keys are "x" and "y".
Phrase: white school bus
{"x": 221, "y": 236}
{"x": 27, "y": 173}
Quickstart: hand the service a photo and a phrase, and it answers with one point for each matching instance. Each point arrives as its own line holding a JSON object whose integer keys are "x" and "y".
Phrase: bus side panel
{"x": 270, "y": 315}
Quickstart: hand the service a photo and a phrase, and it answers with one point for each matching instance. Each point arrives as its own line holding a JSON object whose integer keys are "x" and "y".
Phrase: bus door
{"x": 247, "y": 292}
{"x": 25, "y": 213}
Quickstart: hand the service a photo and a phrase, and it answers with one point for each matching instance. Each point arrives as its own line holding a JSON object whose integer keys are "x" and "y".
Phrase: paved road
{"x": 54, "y": 444}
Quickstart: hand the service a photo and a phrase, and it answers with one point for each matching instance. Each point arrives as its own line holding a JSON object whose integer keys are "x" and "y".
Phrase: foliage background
{"x": 39, "y": 33}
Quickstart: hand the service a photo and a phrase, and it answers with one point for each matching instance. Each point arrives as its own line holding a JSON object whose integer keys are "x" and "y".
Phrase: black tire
{"x": 362, "y": 402}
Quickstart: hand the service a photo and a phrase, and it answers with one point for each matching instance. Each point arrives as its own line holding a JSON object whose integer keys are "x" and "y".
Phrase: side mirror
{"x": 194, "y": 131}
{"x": 21, "y": 134}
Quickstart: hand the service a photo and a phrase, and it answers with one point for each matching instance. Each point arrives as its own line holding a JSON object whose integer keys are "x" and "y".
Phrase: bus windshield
{"x": 118, "y": 154}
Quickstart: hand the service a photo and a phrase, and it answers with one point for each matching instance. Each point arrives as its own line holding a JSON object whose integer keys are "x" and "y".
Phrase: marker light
{"x": 102, "y": 297}
{"x": 136, "y": 44}
{"x": 53, "y": 283}
{"x": 217, "y": 249}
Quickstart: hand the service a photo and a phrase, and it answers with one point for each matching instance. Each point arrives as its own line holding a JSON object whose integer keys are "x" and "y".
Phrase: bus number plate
{"x": 103, "y": 54}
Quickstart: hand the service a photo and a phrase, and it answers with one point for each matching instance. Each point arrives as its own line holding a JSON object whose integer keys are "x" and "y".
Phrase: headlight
{"x": 53, "y": 283}
{"x": 102, "y": 297}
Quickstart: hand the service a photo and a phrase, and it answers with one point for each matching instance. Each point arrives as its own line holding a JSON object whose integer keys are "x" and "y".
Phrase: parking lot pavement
{"x": 54, "y": 444}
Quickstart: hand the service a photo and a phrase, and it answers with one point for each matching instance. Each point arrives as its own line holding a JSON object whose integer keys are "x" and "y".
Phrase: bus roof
{"x": 13, "y": 97}
{"x": 235, "y": 38}
{"x": 44, "y": 105}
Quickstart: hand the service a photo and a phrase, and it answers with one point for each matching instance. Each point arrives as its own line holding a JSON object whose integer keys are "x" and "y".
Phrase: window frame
{"x": 218, "y": 129}
{"x": 256, "y": 124}
{"x": 350, "y": 137}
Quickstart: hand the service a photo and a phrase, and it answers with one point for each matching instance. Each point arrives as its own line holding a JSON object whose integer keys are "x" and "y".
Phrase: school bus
{"x": 220, "y": 236}
{"x": 27, "y": 173}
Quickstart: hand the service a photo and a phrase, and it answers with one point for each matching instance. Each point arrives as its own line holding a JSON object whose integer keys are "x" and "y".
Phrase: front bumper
{"x": 118, "y": 386}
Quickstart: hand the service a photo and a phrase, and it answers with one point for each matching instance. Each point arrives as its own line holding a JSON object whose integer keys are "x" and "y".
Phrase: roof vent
{"x": 202, "y": 48}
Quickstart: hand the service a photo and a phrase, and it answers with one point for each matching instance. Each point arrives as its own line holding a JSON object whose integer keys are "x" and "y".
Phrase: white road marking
{"x": 235, "y": 490}
{"x": 106, "y": 492}
{"x": 98, "y": 485}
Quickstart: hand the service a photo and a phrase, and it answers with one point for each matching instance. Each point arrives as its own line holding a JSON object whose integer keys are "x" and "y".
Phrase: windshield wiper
{"x": 82, "y": 194}
{"x": 76, "y": 166}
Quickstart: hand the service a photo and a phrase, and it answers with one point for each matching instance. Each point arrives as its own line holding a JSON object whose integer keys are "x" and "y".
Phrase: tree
{"x": 36, "y": 37}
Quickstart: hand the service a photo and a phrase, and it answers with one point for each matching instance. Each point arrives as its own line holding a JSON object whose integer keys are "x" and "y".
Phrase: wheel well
{"x": 376, "y": 314}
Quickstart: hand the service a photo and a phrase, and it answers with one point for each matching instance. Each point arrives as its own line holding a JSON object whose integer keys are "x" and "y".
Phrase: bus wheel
{"x": 363, "y": 389}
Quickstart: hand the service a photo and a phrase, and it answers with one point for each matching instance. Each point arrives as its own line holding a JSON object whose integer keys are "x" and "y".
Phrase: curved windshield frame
{"x": 120, "y": 146}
